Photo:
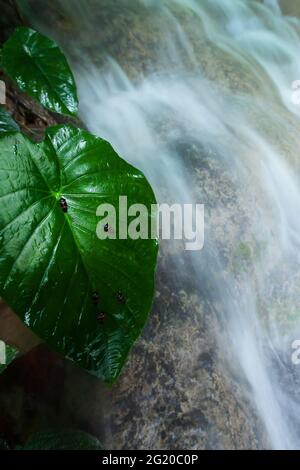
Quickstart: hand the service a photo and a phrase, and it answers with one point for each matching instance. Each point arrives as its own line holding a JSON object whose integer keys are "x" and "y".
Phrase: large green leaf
{"x": 7, "y": 124}
{"x": 40, "y": 69}
{"x": 51, "y": 261}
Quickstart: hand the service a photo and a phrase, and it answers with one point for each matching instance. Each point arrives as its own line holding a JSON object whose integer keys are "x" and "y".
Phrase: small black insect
{"x": 63, "y": 204}
{"x": 95, "y": 298}
{"x": 106, "y": 228}
{"x": 101, "y": 316}
{"x": 120, "y": 297}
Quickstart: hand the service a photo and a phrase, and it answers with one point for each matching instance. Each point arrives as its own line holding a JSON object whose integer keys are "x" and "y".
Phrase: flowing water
{"x": 198, "y": 94}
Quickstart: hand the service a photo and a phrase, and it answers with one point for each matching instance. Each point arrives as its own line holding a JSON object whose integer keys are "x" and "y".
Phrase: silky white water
{"x": 217, "y": 91}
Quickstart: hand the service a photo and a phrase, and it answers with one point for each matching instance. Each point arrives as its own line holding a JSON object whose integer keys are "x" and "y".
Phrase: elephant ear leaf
{"x": 39, "y": 68}
{"x": 87, "y": 296}
{"x": 7, "y": 124}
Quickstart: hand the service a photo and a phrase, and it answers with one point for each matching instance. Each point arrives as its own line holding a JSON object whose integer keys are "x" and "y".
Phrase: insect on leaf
{"x": 88, "y": 298}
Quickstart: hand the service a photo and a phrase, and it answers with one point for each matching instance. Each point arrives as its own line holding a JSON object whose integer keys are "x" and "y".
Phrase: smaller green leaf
{"x": 7, "y": 124}
{"x": 41, "y": 70}
{"x": 63, "y": 440}
{"x": 11, "y": 354}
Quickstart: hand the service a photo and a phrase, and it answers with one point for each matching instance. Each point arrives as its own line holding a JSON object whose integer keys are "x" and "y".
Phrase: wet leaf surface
{"x": 52, "y": 262}
{"x": 41, "y": 70}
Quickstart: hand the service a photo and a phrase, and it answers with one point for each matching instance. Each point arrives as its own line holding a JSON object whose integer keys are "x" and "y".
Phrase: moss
{"x": 244, "y": 251}
{"x": 241, "y": 258}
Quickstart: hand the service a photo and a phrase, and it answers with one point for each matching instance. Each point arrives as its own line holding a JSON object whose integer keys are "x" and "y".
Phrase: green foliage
{"x": 244, "y": 251}
{"x": 7, "y": 124}
{"x": 63, "y": 440}
{"x": 52, "y": 261}
{"x": 87, "y": 298}
{"x": 40, "y": 69}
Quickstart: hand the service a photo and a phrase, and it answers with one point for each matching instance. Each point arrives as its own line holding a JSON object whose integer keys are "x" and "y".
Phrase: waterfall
{"x": 199, "y": 97}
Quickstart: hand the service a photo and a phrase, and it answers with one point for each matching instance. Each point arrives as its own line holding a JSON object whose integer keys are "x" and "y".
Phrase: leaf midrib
{"x": 67, "y": 219}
